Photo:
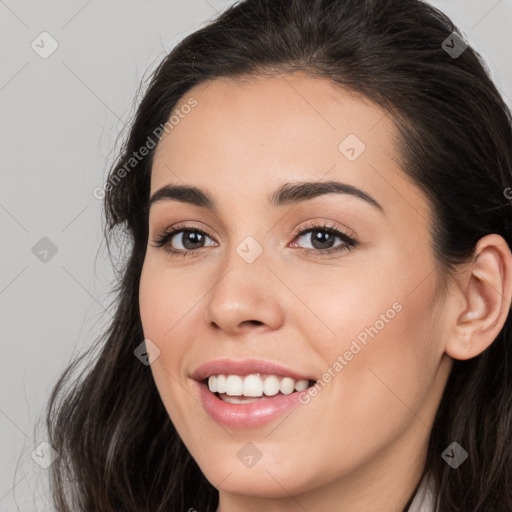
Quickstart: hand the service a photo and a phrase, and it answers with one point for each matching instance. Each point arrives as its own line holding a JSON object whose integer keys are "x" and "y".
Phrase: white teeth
{"x": 238, "y": 400}
{"x": 301, "y": 385}
{"x": 221, "y": 384}
{"x": 234, "y": 385}
{"x": 287, "y": 386}
{"x": 254, "y": 385}
{"x": 271, "y": 385}
{"x": 212, "y": 383}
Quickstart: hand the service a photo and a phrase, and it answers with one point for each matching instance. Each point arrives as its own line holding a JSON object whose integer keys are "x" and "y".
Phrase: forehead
{"x": 258, "y": 133}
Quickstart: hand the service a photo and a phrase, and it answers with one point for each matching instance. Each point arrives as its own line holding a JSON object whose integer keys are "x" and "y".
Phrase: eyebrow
{"x": 288, "y": 193}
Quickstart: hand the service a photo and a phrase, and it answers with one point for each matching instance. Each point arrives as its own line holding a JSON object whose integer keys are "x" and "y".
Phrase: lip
{"x": 253, "y": 414}
{"x": 245, "y": 367}
{"x": 250, "y": 415}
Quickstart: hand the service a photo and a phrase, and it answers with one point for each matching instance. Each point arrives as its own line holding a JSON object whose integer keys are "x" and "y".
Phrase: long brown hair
{"x": 118, "y": 449}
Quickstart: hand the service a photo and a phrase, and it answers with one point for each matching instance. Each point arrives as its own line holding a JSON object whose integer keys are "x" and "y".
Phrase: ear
{"x": 486, "y": 288}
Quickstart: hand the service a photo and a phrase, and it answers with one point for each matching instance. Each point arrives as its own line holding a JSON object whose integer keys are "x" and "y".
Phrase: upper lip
{"x": 245, "y": 367}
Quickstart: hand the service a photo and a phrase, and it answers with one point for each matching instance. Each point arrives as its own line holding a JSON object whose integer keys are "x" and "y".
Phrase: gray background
{"x": 60, "y": 119}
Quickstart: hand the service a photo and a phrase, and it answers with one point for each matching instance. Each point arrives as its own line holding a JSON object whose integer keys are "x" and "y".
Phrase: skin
{"x": 360, "y": 444}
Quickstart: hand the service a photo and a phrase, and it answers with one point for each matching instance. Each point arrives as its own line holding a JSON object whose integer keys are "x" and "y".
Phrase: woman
{"x": 315, "y": 313}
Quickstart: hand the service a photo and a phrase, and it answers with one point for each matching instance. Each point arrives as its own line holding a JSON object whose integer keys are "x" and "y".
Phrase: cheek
{"x": 348, "y": 307}
{"x": 391, "y": 359}
{"x": 165, "y": 310}
{"x": 164, "y": 300}
{"x": 380, "y": 342}
{"x": 166, "y": 306}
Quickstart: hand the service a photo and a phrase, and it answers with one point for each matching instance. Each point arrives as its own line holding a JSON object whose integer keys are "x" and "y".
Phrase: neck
{"x": 387, "y": 484}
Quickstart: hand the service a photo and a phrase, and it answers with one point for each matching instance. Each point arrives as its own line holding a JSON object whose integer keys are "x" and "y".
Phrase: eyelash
{"x": 349, "y": 241}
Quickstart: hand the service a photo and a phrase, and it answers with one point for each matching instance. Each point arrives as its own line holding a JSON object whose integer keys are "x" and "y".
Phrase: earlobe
{"x": 487, "y": 290}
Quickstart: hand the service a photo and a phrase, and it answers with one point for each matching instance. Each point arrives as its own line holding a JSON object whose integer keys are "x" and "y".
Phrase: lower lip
{"x": 253, "y": 414}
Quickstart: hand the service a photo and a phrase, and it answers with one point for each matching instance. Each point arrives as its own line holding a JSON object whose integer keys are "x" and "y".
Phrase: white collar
{"x": 425, "y": 499}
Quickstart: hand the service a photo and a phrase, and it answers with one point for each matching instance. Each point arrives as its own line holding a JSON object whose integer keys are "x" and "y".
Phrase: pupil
{"x": 194, "y": 238}
{"x": 322, "y": 240}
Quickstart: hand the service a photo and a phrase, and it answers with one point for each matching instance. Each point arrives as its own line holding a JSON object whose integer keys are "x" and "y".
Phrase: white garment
{"x": 425, "y": 499}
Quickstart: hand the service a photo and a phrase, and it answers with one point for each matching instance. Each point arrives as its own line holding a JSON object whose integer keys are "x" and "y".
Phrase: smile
{"x": 249, "y": 388}
{"x": 248, "y": 393}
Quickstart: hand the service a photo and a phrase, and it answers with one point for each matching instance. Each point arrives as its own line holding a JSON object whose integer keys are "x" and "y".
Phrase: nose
{"x": 247, "y": 296}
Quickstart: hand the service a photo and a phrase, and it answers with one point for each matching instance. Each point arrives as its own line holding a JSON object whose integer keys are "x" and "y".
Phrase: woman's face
{"x": 364, "y": 318}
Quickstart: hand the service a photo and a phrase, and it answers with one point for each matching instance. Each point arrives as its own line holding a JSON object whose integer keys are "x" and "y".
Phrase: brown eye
{"x": 189, "y": 240}
{"x": 180, "y": 240}
{"x": 322, "y": 239}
